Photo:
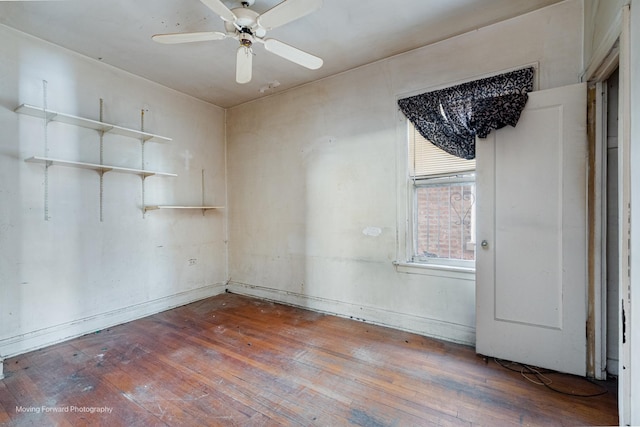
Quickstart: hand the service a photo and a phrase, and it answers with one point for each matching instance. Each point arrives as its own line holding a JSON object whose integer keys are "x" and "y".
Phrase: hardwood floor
{"x": 236, "y": 361}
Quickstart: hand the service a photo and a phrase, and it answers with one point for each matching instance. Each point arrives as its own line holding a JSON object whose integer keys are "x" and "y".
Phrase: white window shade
{"x": 425, "y": 159}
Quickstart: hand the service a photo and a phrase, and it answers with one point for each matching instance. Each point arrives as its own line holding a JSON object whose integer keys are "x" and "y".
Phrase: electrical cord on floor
{"x": 537, "y": 376}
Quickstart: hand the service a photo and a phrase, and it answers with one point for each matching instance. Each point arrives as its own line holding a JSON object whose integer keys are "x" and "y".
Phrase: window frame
{"x": 403, "y": 262}
{"x": 414, "y": 183}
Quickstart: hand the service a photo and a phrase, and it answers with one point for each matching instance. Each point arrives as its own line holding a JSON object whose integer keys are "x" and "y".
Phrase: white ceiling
{"x": 345, "y": 33}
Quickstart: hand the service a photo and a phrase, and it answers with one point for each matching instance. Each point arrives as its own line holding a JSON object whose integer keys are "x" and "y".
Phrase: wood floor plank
{"x": 141, "y": 372}
{"x": 191, "y": 360}
{"x": 270, "y": 347}
{"x": 31, "y": 401}
{"x": 75, "y": 384}
{"x": 237, "y": 361}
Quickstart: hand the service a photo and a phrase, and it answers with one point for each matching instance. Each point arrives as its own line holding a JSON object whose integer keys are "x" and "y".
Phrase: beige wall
{"x": 316, "y": 178}
{"x": 74, "y": 274}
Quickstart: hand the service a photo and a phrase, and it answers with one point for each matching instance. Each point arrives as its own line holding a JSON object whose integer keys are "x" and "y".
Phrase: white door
{"x": 531, "y": 270}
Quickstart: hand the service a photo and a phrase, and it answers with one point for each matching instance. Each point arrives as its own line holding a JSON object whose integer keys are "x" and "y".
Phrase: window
{"x": 443, "y": 195}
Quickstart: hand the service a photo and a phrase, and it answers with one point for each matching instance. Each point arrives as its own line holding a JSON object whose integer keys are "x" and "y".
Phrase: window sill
{"x": 465, "y": 273}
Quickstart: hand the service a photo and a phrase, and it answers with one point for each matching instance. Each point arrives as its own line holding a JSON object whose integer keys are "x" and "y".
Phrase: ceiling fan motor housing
{"x": 246, "y": 18}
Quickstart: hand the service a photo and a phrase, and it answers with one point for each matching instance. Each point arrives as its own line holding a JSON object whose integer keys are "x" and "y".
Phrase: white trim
{"x": 23, "y": 343}
{"x": 599, "y": 238}
{"x": 434, "y": 328}
{"x": 605, "y": 54}
{"x": 404, "y": 202}
{"x": 624, "y": 220}
{"x": 448, "y": 271}
{"x": 608, "y": 66}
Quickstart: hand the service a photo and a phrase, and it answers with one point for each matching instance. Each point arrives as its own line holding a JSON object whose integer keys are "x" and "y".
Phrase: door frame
{"x": 619, "y": 56}
{"x": 597, "y": 231}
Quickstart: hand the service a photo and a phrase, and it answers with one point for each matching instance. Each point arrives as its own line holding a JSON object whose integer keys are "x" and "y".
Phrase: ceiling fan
{"x": 247, "y": 26}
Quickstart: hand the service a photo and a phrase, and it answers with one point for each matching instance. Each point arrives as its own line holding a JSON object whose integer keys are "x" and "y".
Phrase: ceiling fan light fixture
{"x": 246, "y": 42}
{"x": 244, "y": 63}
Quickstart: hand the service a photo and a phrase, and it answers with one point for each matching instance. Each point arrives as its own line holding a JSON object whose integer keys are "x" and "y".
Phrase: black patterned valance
{"x": 451, "y": 118}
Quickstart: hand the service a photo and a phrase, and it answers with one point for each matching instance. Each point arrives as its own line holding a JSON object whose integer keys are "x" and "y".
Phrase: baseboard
{"x": 434, "y": 328}
{"x": 24, "y": 343}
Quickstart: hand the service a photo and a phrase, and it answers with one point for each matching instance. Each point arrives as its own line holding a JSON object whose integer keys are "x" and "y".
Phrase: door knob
{"x": 484, "y": 244}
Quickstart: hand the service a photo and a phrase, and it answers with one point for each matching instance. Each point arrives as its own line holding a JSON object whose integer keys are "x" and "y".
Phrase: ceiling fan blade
{"x": 221, "y": 9}
{"x": 293, "y": 54}
{"x": 287, "y": 11}
{"x": 244, "y": 63}
{"x": 188, "y": 37}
